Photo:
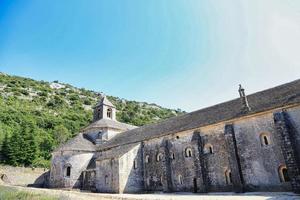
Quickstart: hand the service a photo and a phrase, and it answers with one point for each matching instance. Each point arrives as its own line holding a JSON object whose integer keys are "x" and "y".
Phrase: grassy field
{"x": 9, "y": 193}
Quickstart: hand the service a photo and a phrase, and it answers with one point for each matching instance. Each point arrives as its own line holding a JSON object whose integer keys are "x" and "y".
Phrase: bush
{"x": 87, "y": 102}
{"x": 43, "y": 94}
{"x": 25, "y": 92}
{"x": 74, "y": 97}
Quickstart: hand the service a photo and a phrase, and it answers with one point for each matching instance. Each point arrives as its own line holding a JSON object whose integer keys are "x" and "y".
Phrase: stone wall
{"x": 154, "y": 171}
{"x": 120, "y": 170}
{"x": 78, "y": 161}
{"x": 216, "y": 163}
{"x": 131, "y": 171}
{"x": 294, "y": 118}
{"x": 22, "y": 176}
{"x": 259, "y": 162}
{"x": 238, "y": 155}
{"x": 89, "y": 180}
{"x": 178, "y": 170}
{"x": 288, "y": 141}
{"x": 107, "y": 175}
{"x": 251, "y": 165}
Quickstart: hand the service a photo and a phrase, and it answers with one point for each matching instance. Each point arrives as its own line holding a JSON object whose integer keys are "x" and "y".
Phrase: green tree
{"x": 61, "y": 134}
{"x": 29, "y": 148}
{"x": 14, "y": 151}
{"x": 4, "y": 149}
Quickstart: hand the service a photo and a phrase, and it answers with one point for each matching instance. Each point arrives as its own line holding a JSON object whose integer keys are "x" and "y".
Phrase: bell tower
{"x": 104, "y": 109}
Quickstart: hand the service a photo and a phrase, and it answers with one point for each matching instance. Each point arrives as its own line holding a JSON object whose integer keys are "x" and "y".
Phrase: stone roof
{"x": 104, "y": 101}
{"x": 276, "y": 97}
{"x": 78, "y": 143}
{"x": 109, "y": 123}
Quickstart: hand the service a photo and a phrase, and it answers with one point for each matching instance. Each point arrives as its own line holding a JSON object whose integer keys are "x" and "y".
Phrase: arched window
{"x": 180, "y": 181}
{"x": 159, "y": 157}
{"x": 68, "y": 170}
{"x": 208, "y": 149}
{"x": 283, "y": 174}
{"x": 265, "y": 139}
{"x": 99, "y": 113}
{"x": 228, "y": 177}
{"x": 188, "y": 152}
{"x": 109, "y": 113}
{"x": 106, "y": 180}
{"x": 172, "y": 156}
{"x": 147, "y": 159}
{"x": 135, "y": 164}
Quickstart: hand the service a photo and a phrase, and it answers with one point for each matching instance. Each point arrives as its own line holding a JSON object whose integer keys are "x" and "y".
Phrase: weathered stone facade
{"x": 248, "y": 144}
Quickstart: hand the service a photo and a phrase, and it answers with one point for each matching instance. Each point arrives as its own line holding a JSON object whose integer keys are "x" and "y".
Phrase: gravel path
{"x": 76, "y": 195}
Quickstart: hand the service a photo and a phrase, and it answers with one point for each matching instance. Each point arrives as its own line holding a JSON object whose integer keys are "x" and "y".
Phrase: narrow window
{"x": 106, "y": 180}
{"x": 228, "y": 177}
{"x": 159, "y": 157}
{"x": 266, "y": 142}
{"x": 109, "y": 113}
{"x": 68, "y": 171}
{"x": 172, "y": 156}
{"x": 147, "y": 159}
{"x": 208, "y": 149}
{"x": 135, "y": 164}
{"x": 264, "y": 139}
{"x": 283, "y": 174}
{"x": 188, "y": 152}
{"x": 180, "y": 179}
{"x": 98, "y": 115}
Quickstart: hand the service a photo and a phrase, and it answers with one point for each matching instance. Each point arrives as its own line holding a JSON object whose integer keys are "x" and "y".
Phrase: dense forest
{"x": 37, "y": 116}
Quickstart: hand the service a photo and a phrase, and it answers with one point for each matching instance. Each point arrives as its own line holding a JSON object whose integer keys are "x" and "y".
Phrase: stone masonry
{"x": 251, "y": 143}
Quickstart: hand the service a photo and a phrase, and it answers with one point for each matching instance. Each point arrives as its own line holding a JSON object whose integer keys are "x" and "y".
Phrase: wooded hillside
{"x": 36, "y": 116}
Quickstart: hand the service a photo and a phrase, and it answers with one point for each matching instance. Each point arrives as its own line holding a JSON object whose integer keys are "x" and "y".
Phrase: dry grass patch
{"x": 9, "y": 193}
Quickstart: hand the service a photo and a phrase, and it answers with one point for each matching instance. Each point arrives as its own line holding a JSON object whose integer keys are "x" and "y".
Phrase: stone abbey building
{"x": 251, "y": 143}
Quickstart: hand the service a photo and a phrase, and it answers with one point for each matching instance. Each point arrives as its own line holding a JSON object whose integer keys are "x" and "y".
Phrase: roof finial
{"x": 246, "y": 107}
{"x": 241, "y": 91}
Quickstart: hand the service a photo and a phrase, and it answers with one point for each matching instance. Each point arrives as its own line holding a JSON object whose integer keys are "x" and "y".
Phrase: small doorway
{"x": 195, "y": 185}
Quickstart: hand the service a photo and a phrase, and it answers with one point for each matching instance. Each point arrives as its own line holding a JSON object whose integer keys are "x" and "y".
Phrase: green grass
{"x": 9, "y": 193}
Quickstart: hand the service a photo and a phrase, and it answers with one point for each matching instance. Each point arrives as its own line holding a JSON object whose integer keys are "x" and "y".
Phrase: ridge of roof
{"x": 104, "y": 123}
{"x": 282, "y": 95}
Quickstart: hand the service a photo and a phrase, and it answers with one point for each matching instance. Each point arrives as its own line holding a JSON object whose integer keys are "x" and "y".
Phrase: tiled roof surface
{"x": 276, "y": 97}
{"x": 108, "y": 123}
{"x": 78, "y": 143}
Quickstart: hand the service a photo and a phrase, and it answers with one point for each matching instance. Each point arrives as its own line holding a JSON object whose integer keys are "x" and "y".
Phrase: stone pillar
{"x": 167, "y": 184}
{"x": 143, "y": 165}
{"x": 288, "y": 147}
{"x": 201, "y": 170}
{"x": 234, "y": 159}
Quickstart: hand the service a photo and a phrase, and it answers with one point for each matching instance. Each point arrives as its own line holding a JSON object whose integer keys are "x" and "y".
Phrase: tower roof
{"x": 104, "y": 101}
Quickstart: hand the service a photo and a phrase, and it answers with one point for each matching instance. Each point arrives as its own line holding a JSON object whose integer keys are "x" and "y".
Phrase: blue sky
{"x": 179, "y": 54}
